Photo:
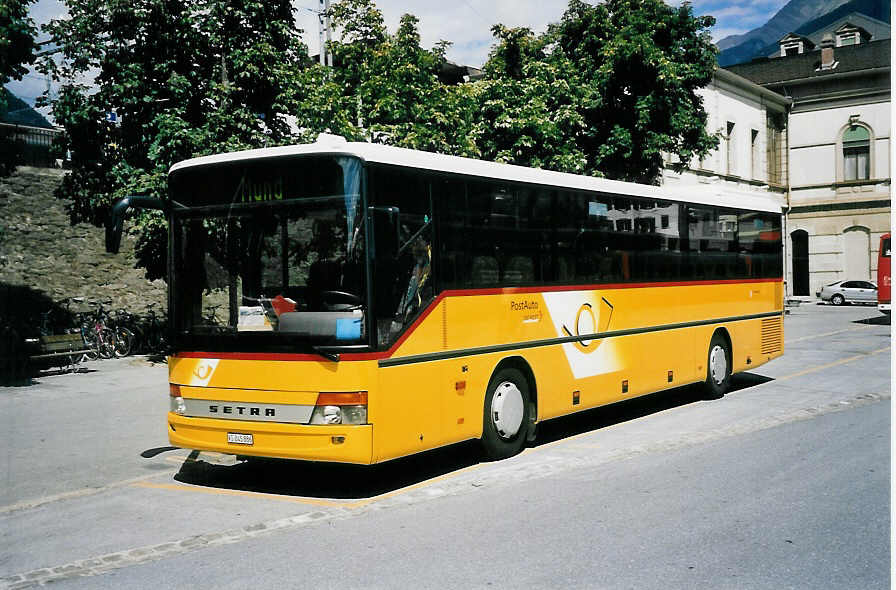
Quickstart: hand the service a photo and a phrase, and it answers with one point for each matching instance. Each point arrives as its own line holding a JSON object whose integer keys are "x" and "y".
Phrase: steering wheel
{"x": 340, "y": 299}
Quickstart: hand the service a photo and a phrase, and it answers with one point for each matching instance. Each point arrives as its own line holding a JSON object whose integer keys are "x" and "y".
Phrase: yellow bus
{"x": 355, "y": 303}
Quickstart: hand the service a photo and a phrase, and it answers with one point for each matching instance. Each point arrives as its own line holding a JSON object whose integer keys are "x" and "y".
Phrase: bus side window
{"x": 519, "y": 270}
{"x": 484, "y": 271}
{"x": 567, "y": 220}
{"x": 450, "y": 199}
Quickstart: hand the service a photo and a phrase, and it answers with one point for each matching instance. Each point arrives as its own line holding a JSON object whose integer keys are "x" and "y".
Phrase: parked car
{"x": 849, "y": 292}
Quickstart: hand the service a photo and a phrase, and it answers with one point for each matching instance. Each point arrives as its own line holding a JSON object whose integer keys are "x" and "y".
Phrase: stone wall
{"x": 45, "y": 259}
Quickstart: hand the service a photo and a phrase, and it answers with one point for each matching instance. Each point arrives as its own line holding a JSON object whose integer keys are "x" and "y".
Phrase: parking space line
{"x": 811, "y": 336}
{"x": 571, "y": 440}
{"x": 37, "y": 502}
{"x": 833, "y": 364}
{"x": 416, "y": 486}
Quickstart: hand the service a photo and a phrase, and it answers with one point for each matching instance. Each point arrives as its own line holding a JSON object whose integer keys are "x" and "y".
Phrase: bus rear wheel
{"x": 505, "y": 414}
{"x": 718, "y": 367}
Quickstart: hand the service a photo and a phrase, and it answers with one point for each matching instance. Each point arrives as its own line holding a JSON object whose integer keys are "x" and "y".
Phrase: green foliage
{"x": 526, "y": 109}
{"x": 605, "y": 92}
{"x": 640, "y": 63}
{"x": 388, "y": 86}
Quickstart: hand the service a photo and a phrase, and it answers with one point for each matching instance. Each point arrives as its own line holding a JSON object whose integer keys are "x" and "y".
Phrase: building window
{"x": 729, "y": 147}
{"x": 847, "y": 39}
{"x": 856, "y": 153}
{"x": 791, "y": 49}
{"x": 754, "y": 154}
{"x": 799, "y": 240}
{"x": 774, "y": 148}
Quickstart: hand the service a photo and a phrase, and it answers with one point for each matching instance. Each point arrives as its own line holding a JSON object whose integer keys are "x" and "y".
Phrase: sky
{"x": 465, "y": 23}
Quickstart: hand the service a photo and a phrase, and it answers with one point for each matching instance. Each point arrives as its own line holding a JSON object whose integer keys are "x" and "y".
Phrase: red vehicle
{"x": 883, "y": 275}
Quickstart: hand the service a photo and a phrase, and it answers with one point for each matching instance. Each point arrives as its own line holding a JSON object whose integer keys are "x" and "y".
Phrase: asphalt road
{"x": 784, "y": 483}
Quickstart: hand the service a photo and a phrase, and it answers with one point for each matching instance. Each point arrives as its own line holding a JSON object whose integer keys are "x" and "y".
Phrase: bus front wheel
{"x": 718, "y": 367}
{"x": 505, "y": 414}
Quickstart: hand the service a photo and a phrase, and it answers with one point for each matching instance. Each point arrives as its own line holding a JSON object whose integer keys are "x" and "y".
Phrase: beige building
{"x": 837, "y": 160}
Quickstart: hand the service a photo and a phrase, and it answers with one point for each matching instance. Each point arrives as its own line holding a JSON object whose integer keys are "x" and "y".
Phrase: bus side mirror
{"x": 115, "y": 222}
{"x": 385, "y": 231}
{"x": 114, "y": 225}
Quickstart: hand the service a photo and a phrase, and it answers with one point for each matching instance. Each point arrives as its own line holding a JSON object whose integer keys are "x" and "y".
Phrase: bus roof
{"x": 395, "y": 156}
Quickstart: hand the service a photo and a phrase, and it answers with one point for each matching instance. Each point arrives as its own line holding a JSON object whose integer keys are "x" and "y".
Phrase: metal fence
{"x": 34, "y": 145}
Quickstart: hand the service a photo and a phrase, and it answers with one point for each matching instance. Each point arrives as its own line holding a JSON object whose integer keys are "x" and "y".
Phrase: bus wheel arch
{"x": 719, "y": 356}
{"x": 509, "y": 404}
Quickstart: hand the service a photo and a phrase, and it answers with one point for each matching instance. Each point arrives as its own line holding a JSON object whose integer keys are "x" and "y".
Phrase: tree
{"x": 389, "y": 85}
{"x": 184, "y": 79}
{"x": 526, "y": 106}
{"x": 612, "y": 86}
{"x": 16, "y": 53}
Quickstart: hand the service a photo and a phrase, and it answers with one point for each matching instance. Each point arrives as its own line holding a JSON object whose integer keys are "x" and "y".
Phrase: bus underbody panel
{"x": 337, "y": 443}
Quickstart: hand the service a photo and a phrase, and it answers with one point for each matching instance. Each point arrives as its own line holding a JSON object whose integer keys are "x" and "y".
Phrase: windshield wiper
{"x": 327, "y": 354}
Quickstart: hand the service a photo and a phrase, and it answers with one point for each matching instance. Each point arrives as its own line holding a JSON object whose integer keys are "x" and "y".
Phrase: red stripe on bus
{"x": 369, "y": 356}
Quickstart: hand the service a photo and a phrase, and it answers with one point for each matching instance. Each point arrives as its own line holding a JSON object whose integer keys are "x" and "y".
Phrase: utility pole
{"x": 324, "y": 26}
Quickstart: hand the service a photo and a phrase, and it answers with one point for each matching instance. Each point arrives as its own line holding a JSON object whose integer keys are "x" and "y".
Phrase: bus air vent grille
{"x": 772, "y": 335}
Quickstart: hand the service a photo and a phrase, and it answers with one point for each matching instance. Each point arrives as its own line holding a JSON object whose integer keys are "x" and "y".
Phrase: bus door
{"x": 408, "y": 407}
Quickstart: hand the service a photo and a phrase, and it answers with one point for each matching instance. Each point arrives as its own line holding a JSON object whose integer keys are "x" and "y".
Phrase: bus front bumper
{"x": 337, "y": 443}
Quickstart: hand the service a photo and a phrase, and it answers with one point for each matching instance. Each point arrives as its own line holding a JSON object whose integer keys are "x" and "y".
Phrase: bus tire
{"x": 505, "y": 414}
{"x": 718, "y": 367}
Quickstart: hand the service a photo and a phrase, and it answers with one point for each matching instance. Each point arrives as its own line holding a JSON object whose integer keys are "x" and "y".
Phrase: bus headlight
{"x": 354, "y": 414}
{"x": 340, "y": 408}
{"x": 177, "y": 402}
{"x": 332, "y": 415}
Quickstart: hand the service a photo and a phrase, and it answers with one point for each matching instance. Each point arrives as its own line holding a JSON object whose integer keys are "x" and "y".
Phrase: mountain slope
{"x": 789, "y": 18}
{"x": 18, "y": 112}
{"x": 799, "y": 16}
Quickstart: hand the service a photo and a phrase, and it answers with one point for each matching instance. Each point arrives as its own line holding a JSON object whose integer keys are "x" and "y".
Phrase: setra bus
{"x": 353, "y": 302}
{"x": 883, "y": 275}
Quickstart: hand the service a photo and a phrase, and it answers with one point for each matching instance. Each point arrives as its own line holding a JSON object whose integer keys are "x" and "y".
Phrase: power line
{"x": 479, "y": 14}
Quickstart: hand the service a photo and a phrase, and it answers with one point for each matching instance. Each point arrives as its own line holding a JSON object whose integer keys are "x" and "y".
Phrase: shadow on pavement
{"x": 329, "y": 480}
{"x": 880, "y": 320}
{"x": 33, "y": 375}
{"x": 352, "y": 482}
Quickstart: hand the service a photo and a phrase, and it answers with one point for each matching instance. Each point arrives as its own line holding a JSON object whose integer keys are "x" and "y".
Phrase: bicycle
{"x": 99, "y": 338}
{"x": 154, "y": 331}
{"x": 124, "y": 337}
{"x": 129, "y": 324}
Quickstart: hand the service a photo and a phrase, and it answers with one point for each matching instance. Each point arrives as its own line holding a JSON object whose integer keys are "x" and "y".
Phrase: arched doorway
{"x": 856, "y": 253}
{"x": 799, "y": 256}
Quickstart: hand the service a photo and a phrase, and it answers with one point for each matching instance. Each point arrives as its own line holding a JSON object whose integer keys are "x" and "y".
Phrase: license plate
{"x": 239, "y": 439}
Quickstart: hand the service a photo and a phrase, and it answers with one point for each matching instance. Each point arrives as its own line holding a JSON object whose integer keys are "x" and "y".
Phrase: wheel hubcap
{"x": 718, "y": 364}
{"x": 507, "y": 409}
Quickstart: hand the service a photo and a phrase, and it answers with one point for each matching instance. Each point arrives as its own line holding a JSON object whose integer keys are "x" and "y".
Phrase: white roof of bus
{"x": 383, "y": 154}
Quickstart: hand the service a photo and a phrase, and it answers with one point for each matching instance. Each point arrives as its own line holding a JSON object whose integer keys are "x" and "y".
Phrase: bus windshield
{"x": 269, "y": 252}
